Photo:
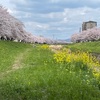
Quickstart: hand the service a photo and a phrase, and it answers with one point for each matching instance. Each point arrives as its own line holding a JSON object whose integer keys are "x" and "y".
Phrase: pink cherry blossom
{"x": 13, "y": 29}
{"x": 87, "y": 35}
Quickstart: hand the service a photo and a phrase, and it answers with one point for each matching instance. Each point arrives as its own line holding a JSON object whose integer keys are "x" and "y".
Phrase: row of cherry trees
{"x": 13, "y": 29}
{"x": 88, "y": 35}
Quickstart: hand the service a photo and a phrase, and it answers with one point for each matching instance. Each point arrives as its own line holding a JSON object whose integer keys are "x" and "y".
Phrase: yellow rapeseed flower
{"x": 45, "y": 46}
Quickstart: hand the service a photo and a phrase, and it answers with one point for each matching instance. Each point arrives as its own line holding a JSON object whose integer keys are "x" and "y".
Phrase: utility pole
{"x": 80, "y": 29}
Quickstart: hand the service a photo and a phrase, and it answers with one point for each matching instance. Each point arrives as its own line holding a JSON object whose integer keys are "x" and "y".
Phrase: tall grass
{"x": 42, "y": 78}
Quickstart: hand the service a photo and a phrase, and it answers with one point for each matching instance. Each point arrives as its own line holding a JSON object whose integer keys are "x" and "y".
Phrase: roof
{"x": 91, "y": 22}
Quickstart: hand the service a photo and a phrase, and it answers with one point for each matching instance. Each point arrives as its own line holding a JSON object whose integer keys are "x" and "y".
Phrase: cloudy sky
{"x": 56, "y": 19}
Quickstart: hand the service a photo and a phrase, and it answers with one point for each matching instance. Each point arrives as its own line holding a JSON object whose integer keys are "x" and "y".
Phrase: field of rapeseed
{"x": 72, "y": 57}
{"x": 78, "y": 60}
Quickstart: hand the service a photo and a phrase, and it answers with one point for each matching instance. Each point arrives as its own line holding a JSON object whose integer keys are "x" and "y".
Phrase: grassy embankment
{"x": 8, "y": 52}
{"x": 86, "y": 46}
{"x": 40, "y": 77}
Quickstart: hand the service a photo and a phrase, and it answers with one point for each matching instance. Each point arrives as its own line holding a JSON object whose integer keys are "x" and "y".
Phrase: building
{"x": 88, "y": 25}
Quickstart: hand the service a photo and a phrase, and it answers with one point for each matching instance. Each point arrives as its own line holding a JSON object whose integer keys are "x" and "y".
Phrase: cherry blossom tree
{"x": 88, "y": 35}
{"x": 13, "y": 29}
{"x": 10, "y": 27}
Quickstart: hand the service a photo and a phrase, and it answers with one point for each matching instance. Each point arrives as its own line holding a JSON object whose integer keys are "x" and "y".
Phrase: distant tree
{"x": 88, "y": 35}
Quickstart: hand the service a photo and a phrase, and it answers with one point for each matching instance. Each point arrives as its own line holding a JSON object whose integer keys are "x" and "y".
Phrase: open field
{"x": 30, "y": 72}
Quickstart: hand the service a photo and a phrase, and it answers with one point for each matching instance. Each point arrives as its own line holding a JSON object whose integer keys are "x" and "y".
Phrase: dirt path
{"x": 18, "y": 64}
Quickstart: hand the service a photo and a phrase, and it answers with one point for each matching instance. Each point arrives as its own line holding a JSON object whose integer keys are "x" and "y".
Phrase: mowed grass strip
{"x": 41, "y": 78}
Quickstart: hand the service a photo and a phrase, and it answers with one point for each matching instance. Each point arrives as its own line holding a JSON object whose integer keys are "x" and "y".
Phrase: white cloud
{"x": 36, "y": 25}
{"x": 10, "y": 11}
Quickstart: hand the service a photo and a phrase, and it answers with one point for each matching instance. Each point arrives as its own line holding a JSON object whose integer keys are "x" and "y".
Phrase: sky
{"x": 55, "y": 19}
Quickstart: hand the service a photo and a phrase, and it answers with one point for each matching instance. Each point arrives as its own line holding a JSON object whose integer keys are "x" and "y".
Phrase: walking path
{"x": 18, "y": 63}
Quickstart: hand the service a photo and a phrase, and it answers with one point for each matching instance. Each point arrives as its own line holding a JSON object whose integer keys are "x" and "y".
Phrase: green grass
{"x": 8, "y": 52}
{"x": 86, "y": 46}
{"x": 41, "y": 78}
